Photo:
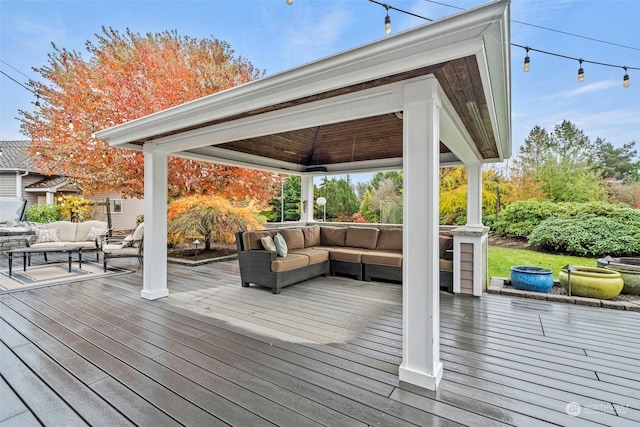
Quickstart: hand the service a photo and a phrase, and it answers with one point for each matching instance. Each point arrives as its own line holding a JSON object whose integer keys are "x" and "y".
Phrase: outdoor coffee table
{"x": 26, "y": 252}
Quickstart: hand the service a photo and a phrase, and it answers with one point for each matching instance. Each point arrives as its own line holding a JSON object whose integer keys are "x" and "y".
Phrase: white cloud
{"x": 593, "y": 87}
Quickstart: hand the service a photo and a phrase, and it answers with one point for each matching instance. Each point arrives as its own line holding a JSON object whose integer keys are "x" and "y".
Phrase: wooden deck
{"x": 325, "y": 352}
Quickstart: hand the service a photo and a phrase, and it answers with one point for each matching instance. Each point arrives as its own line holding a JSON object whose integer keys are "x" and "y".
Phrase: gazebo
{"x": 437, "y": 95}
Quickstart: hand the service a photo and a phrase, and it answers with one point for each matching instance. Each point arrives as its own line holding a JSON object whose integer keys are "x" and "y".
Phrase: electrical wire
{"x": 548, "y": 29}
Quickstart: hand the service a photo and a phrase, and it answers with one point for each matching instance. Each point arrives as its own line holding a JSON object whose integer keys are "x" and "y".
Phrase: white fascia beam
{"x": 454, "y": 134}
{"x": 353, "y": 106}
{"x": 232, "y": 158}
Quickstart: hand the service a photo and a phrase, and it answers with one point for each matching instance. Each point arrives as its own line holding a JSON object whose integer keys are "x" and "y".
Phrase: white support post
{"x": 306, "y": 196}
{"x": 421, "y": 364}
{"x": 474, "y": 195}
{"x": 154, "y": 284}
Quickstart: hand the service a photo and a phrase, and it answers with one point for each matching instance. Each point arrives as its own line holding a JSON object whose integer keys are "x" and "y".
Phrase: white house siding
{"x": 7, "y": 184}
{"x": 125, "y": 220}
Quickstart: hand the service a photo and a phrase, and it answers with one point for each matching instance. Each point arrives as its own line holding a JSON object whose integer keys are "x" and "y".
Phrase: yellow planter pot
{"x": 592, "y": 282}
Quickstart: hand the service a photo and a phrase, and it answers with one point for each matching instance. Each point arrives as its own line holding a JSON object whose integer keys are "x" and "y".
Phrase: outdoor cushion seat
{"x": 290, "y": 262}
{"x": 392, "y": 258}
{"x": 347, "y": 254}
{"x": 314, "y": 255}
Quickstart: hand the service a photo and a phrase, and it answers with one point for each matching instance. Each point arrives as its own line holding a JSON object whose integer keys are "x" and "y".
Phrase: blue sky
{"x": 276, "y": 37}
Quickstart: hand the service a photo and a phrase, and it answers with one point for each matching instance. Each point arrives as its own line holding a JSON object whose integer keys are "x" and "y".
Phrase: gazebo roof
{"x": 340, "y": 113}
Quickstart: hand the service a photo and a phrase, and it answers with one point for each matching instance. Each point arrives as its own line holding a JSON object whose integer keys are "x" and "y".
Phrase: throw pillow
{"x": 281, "y": 245}
{"x": 268, "y": 244}
{"x": 46, "y": 235}
{"x": 94, "y": 233}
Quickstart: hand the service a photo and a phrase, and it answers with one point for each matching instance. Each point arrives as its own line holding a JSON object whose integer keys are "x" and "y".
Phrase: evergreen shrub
{"x": 588, "y": 235}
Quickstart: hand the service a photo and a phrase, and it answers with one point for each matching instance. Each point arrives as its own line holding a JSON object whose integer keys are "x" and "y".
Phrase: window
{"x": 116, "y": 206}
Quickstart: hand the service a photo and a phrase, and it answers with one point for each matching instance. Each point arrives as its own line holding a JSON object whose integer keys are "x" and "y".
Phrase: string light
{"x": 581, "y": 71}
{"x": 37, "y": 108}
{"x": 289, "y": 2}
{"x": 625, "y": 79}
{"x": 527, "y": 62}
{"x": 387, "y": 21}
{"x": 93, "y": 132}
{"x": 70, "y": 122}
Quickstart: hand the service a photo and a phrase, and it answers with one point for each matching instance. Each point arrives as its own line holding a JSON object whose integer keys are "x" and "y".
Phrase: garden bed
{"x": 188, "y": 256}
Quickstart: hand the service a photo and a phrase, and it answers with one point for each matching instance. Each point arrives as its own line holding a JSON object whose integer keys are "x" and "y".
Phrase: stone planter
{"x": 629, "y": 269}
{"x": 528, "y": 278}
{"x": 592, "y": 282}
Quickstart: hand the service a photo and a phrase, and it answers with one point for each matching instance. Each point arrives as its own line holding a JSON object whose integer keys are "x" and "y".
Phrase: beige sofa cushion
{"x": 392, "y": 258}
{"x": 294, "y": 237}
{"x": 347, "y": 254}
{"x": 390, "y": 239}
{"x": 333, "y": 236}
{"x": 315, "y": 256}
{"x": 83, "y": 228}
{"x": 290, "y": 262}
{"x": 251, "y": 239}
{"x": 358, "y": 237}
{"x": 446, "y": 243}
{"x": 47, "y": 235}
{"x": 67, "y": 230}
{"x": 311, "y": 236}
{"x": 446, "y": 265}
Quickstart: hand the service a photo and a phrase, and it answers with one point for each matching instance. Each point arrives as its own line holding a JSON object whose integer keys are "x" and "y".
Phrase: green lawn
{"x": 501, "y": 259}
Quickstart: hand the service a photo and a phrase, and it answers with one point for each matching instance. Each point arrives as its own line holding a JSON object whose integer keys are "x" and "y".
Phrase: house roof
{"x": 15, "y": 158}
{"x": 340, "y": 113}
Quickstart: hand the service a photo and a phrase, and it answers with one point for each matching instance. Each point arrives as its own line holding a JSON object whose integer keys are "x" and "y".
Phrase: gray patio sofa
{"x": 364, "y": 253}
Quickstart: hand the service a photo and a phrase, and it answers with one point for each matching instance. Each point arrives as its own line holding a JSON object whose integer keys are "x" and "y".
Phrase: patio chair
{"x": 127, "y": 247}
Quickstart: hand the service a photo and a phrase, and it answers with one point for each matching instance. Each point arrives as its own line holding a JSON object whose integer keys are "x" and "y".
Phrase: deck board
{"x": 324, "y": 352}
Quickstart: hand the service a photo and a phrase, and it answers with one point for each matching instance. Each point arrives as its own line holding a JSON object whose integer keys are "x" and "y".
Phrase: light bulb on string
{"x": 625, "y": 79}
{"x": 580, "y": 72}
{"x": 37, "y": 108}
{"x": 387, "y": 21}
{"x": 289, "y": 2}
{"x": 70, "y": 122}
{"x": 93, "y": 132}
{"x": 527, "y": 62}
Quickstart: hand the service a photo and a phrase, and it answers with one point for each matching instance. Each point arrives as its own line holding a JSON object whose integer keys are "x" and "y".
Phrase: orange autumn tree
{"x": 210, "y": 218}
{"x": 126, "y": 76}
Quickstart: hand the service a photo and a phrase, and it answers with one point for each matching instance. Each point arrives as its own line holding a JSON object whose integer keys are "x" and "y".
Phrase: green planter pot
{"x": 592, "y": 282}
{"x": 629, "y": 269}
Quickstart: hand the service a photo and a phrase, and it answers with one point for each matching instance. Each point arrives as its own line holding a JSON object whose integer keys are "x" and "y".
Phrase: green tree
{"x": 535, "y": 151}
{"x": 366, "y": 208}
{"x": 570, "y": 181}
{"x": 388, "y": 198}
{"x": 291, "y": 193}
{"x": 616, "y": 163}
{"x": 341, "y": 198}
{"x": 560, "y": 164}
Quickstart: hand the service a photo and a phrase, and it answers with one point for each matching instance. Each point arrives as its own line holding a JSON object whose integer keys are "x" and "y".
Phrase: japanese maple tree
{"x": 126, "y": 76}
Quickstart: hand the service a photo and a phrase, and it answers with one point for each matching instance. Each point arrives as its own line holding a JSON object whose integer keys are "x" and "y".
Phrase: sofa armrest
{"x": 448, "y": 255}
{"x": 257, "y": 259}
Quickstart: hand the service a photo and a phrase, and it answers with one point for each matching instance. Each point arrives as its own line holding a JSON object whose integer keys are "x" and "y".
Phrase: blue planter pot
{"x": 527, "y": 278}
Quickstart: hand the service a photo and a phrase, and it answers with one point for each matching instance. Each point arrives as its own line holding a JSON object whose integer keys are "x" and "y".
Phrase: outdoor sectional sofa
{"x": 364, "y": 253}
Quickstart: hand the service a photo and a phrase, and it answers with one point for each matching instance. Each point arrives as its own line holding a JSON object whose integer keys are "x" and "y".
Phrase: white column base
{"x": 421, "y": 379}
{"x": 151, "y": 295}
